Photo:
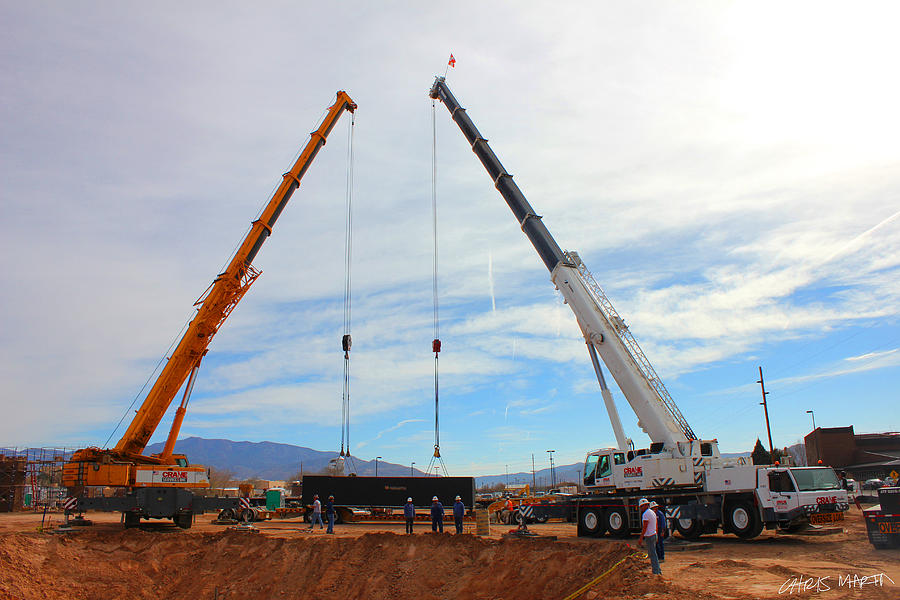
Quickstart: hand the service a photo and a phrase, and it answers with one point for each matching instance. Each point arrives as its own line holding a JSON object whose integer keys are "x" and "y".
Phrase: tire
{"x": 226, "y": 514}
{"x": 542, "y": 519}
{"x": 131, "y": 520}
{"x": 590, "y": 522}
{"x": 742, "y": 519}
{"x": 690, "y": 529}
{"x": 616, "y": 520}
{"x": 247, "y": 515}
{"x": 183, "y": 520}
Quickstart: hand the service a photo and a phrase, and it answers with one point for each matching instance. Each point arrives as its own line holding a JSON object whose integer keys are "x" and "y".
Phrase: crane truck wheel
{"x": 617, "y": 522}
{"x": 742, "y": 520}
{"x": 590, "y": 522}
{"x": 183, "y": 520}
{"x": 131, "y": 520}
{"x": 690, "y": 529}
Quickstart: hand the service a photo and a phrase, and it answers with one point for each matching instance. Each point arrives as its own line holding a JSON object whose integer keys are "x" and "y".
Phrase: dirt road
{"x": 376, "y": 561}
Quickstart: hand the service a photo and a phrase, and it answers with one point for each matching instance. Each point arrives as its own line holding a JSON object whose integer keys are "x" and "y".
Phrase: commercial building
{"x": 862, "y": 455}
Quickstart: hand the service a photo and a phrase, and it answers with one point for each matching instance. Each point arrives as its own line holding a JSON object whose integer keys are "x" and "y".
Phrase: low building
{"x": 12, "y": 482}
{"x": 863, "y": 456}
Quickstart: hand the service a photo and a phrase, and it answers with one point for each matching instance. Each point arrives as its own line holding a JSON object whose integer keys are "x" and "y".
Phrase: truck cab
{"x": 791, "y": 497}
{"x": 653, "y": 468}
{"x": 645, "y": 469}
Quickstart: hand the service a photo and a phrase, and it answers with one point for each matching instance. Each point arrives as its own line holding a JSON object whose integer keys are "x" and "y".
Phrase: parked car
{"x": 872, "y": 484}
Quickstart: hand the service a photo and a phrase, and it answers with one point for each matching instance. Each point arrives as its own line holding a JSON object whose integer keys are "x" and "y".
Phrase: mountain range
{"x": 269, "y": 460}
{"x": 274, "y": 461}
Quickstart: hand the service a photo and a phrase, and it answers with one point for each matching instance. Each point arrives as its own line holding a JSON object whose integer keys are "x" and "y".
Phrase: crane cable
{"x": 436, "y": 342}
{"x": 346, "y": 340}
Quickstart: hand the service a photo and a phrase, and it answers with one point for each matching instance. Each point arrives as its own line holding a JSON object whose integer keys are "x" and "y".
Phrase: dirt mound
{"x": 781, "y": 570}
{"x": 139, "y": 564}
{"x": 733, "y": 564}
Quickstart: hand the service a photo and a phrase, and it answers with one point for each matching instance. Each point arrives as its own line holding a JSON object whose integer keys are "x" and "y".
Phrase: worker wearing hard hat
{"x": 409, "y": 512}
{"x": 662, "y": 530}
{"x": 437, "y": 515}
{"x": 648, "y": 533}
{"x": 459, "y": 510}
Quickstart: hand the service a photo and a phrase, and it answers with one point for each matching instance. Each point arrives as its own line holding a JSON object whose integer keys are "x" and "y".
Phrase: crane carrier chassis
{"x": 744, "y": 513}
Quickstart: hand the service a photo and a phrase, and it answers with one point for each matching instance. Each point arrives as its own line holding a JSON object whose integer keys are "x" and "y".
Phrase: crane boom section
{"x": 653, "y": 416}
{"x": 657, "y": 414}
{"x": 223, "y": 294}
{"x": 530, "y": 222}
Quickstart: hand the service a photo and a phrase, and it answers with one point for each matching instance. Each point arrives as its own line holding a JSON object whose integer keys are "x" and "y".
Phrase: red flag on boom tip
{"x": 452, "y": 61}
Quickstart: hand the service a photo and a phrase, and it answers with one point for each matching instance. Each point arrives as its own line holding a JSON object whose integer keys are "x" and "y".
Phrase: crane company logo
{"x": 634, "y": 471}
{"x": 826, "y": 500}
{"x": 174, "y": 477}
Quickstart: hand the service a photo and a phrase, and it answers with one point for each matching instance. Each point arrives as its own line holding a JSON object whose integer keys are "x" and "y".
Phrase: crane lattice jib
{"x": 640, "y": 359}
{"x": 223, "y": 294}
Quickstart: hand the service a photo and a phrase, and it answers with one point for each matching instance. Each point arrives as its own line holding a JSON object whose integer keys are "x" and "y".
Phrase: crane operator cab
{"x": 651, "y": 468}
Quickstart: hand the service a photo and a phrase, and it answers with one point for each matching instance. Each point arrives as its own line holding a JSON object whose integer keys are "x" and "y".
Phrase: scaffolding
{"x": 31, "y": 478}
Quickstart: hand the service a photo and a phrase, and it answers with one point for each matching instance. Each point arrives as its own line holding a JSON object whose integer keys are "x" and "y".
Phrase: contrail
{"x": 491, "y": 281}
{"x": 850, "y": 246}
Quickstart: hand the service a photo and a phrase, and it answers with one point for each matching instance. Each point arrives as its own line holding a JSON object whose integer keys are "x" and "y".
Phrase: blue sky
{"x": 728, "y": 172}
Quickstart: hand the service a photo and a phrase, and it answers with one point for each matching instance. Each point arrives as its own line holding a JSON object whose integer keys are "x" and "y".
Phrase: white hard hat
{"x": 434, "y": 499}
{"x": 409, "y": 499}
{"x": 652, "y": 504}
{"x": 643, "y": 501}
{"x": 457, "y": 498}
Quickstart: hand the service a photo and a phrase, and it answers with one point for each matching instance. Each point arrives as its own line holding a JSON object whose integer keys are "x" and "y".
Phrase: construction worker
{"x": 437, "y": 515}
{"x": 409, "y": 511}
{"x": 329, "y": 512}
{"x": 662, "y": 531}
{"x": 648, "y": 533}
{"x": 317, "y": 513}
{"x": 510, "y": 509}
{"x": 459, "y": 510}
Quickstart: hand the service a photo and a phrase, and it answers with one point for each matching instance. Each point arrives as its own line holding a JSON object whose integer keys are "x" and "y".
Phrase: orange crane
{"x": 125, "y": 465}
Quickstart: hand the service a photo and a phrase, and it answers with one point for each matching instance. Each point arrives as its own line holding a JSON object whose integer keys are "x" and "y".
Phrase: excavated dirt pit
{"x": 375, "y": 561}
{"x": 230, "y": 565}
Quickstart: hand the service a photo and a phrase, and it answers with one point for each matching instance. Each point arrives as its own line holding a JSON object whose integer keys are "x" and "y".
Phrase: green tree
{"x": 760, "y": 455}
{"x": 778, "y": 455}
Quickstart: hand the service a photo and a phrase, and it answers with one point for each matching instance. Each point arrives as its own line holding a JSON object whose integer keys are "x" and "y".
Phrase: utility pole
{"x": 532, "y": 473}
{"x": 814, "y": 418}
{"x": 376, "y": 465}
{"x": 507, "y": 475}
{"x": 765, "y": 406}
{"x": 552, "y": 478}
{"x": 410, "y": 468}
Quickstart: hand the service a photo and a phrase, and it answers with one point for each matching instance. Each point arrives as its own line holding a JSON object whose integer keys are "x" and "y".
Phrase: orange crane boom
{"x": 213, "y": 307}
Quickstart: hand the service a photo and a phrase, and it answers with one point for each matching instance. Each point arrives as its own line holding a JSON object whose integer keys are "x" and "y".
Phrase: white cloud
{"x": 723, "y": 220}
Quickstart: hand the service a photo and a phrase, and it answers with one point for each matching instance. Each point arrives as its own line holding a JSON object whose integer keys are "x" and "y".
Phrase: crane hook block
{"x": 346, "y": 342}
{"x": 436, "y": 346}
